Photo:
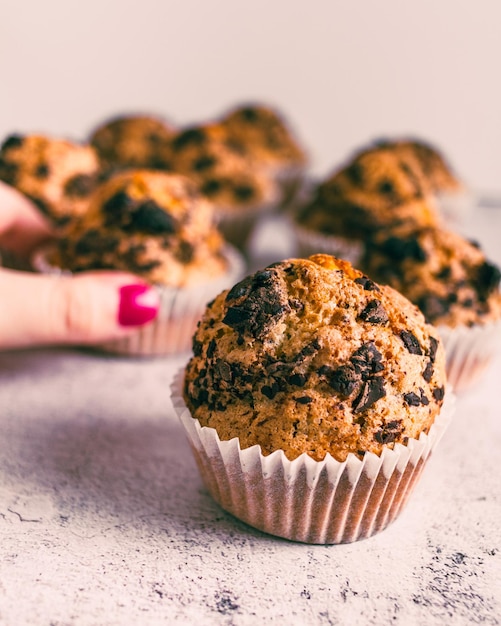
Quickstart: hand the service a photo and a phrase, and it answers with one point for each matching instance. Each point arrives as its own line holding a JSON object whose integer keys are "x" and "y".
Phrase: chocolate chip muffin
{"x": 433, "y": 163}
{"x": 263, "y": 133}
{"x": 240, "y": 191}
{"x": 56, "y": 174}
{"x": 311, "y": 356}
{"x": 456, "y": 288}
{"x": 376, "y": 190}
{"x": 150, "y": 223}
{"x": 313, "y": 400}
{"x": 445, "y": 275}
{"x": 136, "y": 141}
{"x": 157, "y": 226}
{"x": 221, "y": 173}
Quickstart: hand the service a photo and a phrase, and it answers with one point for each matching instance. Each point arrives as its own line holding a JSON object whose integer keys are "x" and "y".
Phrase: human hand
{"x": 36, "y": 309}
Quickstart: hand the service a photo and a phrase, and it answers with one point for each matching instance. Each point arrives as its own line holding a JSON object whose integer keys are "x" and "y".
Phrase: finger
{"x": 86, "y": 309}
{"x": 22, "y": 226}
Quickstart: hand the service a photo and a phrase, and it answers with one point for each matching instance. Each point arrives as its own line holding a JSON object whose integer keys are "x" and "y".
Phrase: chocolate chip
{"x": 211, "y": 348}
{"x": 223, "y": 370}
{"x": 41, "y": 204}
{"x": 197, "y": 347}
{"x": 412, "y": 399}
{"x": 269, "y": 391}
{"x": 94, "y": 242}
{"x": 298, "y": 380}
{"x": 444, "y": 273}
{"x": 428, "y": 372}
{"x": 374, "y": 313}
{"x": 367, "y": 360}
{"x": 250, "y": 115}
{"x": 117, "y": 208}
{"x": 204, "y": 163}
{"x": 304, "y": 400}
{"x": 388, "y": 432}
{"x": 488, "y": 277}
{"x": 211, "y": 187}
{"x": 424, "y": 399}
{"x": 401, "y": 249}
{"x": 8, "y": 171}
{"x": 372, "y": 391}
{"x": 386, "y": 187}
{"x": 13, "y": 141}
{"x": 433, "y": 306}
{"x": 80, "y": 186}
{"x": 433, "y": 349}
{"x": 243, "y": 192}
{"x": 410, "y": 342}
{"x": 355, "y": 173}
{"x": 367, "y": 283}
{"x": 344, "y": 380}
{"x": 191, "y": 136}
{"x": 42, "y": 171}
{"x": 438, "y": 393}
{"x": 185, "y": 252}
{"x": 151, "y": 218}
{"x": 240, "y": 290}
{"x": 262, "y": 306}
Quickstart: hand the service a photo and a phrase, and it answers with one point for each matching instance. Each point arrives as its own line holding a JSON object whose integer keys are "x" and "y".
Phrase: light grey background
{"x": 343, "y": 71}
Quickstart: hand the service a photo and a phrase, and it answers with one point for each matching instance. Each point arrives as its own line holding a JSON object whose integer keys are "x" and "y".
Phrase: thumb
{"x": 89, "y": 308}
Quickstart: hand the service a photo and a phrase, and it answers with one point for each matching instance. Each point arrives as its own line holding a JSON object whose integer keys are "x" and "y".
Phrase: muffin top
{"x": 264, "y": 134}
{"x": 445, "y": 275}
{"x": 222, "y": 174}
{"x": 132, "y": 141}
{"x": 310, "y": 355}
{"x": 376, "y": 190}
{"x": 437, "y": 171}
{"x": 151, "y": 223}
{"x": 56, "y": 174}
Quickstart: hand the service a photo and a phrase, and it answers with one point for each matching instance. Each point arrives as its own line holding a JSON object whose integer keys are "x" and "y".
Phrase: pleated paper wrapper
{"x": 318, "y": 502}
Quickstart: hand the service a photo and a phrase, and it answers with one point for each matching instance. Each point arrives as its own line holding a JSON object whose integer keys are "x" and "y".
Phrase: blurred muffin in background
{"x": 132, "y": 141}
{"x": 454, "y": 285}
{"x": 239, "y": 190}
{"x": 264, "y": 134}
{"x": 58, "y": 175}
{"x": 157, "y": 226}
{"x": 453, "y": 197}
{"x": 375, "y": 191}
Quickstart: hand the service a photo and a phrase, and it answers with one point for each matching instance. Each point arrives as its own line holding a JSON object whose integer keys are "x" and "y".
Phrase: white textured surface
{"x": 104, "y": 520}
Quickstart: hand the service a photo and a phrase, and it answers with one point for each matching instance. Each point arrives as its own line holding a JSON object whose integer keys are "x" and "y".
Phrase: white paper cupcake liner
{"x": 321, "y": 502}
{"x": 180, "y": 309}
{"x": 469, "y": 351}
{"x": 309, "y": 242}
{"x": 237, "y": 225}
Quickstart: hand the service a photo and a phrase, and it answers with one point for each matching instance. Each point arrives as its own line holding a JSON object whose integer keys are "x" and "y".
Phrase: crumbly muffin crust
{"x": 56, "y": 174}
{"x": 133, "y": 141}
{"x": 151, "y": 223}
{"x": 310, "y": 355}
{"x": 445, "y": 275}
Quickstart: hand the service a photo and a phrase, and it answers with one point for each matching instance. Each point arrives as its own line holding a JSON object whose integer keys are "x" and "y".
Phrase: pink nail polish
{"x": 138, "y": 305}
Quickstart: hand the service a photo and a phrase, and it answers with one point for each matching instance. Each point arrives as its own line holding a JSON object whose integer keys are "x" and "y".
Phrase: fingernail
{"x": 138, "y": 305}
